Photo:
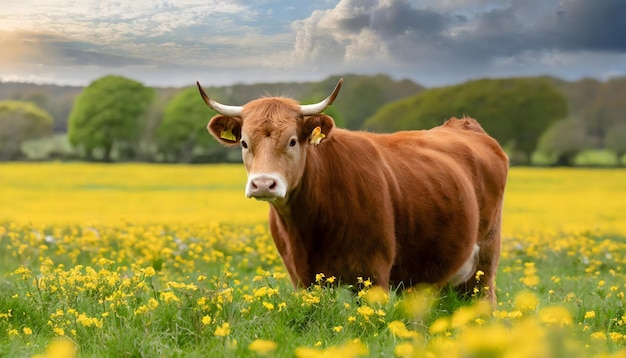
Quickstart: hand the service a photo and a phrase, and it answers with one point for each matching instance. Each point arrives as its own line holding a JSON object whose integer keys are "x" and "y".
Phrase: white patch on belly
{"x": 467, "y": 270}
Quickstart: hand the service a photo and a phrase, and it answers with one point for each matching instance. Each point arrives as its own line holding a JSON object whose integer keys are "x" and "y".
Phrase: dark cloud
{"x": 399, "y": 17}
{"x": 587, "y": 26}
{"x": 509, "y": 29}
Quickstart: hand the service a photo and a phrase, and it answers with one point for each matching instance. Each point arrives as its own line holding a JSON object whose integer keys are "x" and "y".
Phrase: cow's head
{"x": 274, "y": 134}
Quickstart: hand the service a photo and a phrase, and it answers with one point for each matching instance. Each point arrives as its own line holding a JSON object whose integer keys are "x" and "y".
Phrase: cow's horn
{"x": 310, "y": 109}
{"x": 233, "y": 111}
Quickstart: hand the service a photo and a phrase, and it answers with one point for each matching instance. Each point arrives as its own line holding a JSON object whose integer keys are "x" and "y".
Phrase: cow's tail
{"x": 465, "y": 123}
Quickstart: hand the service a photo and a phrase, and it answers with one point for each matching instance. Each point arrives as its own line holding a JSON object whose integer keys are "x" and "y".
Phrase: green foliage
{"x": 55, "y": 147}
{"x": 514, "y": 111}
{"x": 362, "y": 96}
{"x": 183, "y": 127}
{"x": 21, "y": 121}
{"x": 109, "y": 113}
{"x": 615, "y": 140}
{"x": 564, "y": 140}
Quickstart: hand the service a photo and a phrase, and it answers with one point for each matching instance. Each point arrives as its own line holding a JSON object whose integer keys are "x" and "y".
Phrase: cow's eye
{"x": 244, "y": 144}
{"x": 292, "y": 142}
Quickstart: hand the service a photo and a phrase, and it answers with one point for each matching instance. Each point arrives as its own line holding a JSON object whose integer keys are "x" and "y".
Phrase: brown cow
{"x": 410, "y": 207}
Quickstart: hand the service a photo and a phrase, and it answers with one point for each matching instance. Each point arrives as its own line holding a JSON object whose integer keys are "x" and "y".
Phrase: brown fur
{"x": 406, "y": 207}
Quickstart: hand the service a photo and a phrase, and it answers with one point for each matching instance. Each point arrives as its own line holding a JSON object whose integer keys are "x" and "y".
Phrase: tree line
{"x": 119, "y": 119}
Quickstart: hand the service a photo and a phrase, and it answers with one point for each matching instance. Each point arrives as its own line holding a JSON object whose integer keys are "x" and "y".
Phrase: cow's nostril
{"x": 254, "y": 186}
{"x": 273, "y": 185}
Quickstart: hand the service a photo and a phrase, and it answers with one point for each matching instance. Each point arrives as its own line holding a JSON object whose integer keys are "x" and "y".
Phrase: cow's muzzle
{"x": 267, "y": 187}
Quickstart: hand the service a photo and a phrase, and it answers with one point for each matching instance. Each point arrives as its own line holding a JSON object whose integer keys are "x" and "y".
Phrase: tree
{"x": 514, "y": 111}
{"x": 21, "y": 121}
{"x": 182, "y": 131}
{"x": 108, "y": 114}
{"x": 361, "y": 96}
{"x": 615, "y": 140}
{"x": 564, "y": 140}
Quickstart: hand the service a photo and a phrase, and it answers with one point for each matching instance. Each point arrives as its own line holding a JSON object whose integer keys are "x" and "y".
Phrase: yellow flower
{"x": 555, "y": 315}
{"x": 58, "y": 331}
{"x": 441, "y": 324}
{"x": 525, "y": 301}
{"x": 223, "y": 330}
{"x": 598, "y": 336}
{"x": 149, "y": 271}
{"x": 262, "y": 346}
{"x": 169, "y": 296}
{"x": 331, "y": 279}
{"x": 206, "y": 320}
{"x": 60, "y": 348}
{"x": 338, "y": 329}
{"x": 398, "y": 329}
{"x": 590, "y": 314}
{"x": 376, "y": 295}
{"x": 13, "y": 332}
{"x": 268, "y": 305}
{"x": 153, "y": 304}
{"x": 365, "y": 311}
{"x": 404, "y": 349}
{"x": 320, "y": 276}
{"x": 27, "y": 331}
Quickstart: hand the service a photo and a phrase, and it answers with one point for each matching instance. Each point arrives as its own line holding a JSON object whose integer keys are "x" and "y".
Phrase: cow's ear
{"x": 317, "y": 127}
{"x": 227, "y": 130}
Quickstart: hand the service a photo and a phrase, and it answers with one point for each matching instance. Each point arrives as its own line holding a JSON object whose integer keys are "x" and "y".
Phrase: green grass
{"x": 104, "y": 277}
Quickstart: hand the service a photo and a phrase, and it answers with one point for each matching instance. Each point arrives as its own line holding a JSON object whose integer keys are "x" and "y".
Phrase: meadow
{"x": 137, "y": 260}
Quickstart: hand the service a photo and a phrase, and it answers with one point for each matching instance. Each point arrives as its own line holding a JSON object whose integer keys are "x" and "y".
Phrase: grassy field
{"x": 138, "y": 260}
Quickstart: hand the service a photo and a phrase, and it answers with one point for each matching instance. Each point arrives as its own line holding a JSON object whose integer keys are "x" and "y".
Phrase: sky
{"x": 223, "y": 42}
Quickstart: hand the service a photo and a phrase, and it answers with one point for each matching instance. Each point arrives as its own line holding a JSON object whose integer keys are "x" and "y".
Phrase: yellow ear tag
{"x": 228, "y": 134}
{"x": 317, "y": 135}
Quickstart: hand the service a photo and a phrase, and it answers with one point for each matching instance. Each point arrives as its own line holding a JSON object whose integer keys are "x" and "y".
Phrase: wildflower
{"x": 27, "y": 331}
{"x": 223, "y": 330}
{"x": 13, "y": 332}
{"x": 479, "y": 273}
{"x": 169, "y": 296}
{"x": 376, "y": 295}
{"x": 58, "y": 331}
{"x": 365, "y": 311}
{"x": 262, "y": 346}
{"x": 281, "y": 306}
{"x": 418, "y": 304}
{"x": 319, "y": 277}
{"x": 268, "y": 305}
{"x": 331, "y": 279}
{"x": 525, "y": 301}
{"x": 590, "y": 314}
{"x": 598, "y": 336}
{"x": 398, "y": 329}
{"x": 616, "y": 337}
{"x": 58, "y": 348}
{"x": 555, "y": 315}
{"x": 149, "y": 272}
{"x": 206, "y": 320}
{"x": 441, "y": 324}
{"x": 404, "y": 349}
{"x": 338, "y": 329}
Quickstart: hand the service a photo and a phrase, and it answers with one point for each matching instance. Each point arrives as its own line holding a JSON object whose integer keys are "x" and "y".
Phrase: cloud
{"x": 399, "y": 33}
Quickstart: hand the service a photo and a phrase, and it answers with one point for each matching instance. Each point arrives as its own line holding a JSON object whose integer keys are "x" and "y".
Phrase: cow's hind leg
{"x": 483, "y": 282}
